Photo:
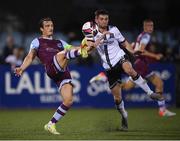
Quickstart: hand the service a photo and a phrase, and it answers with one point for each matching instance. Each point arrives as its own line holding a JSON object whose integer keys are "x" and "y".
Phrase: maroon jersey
{"x": 141, "y": 64}
{"x": 46, "y": 51}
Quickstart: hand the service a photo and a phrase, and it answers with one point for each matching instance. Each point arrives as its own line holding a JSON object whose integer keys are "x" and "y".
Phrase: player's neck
{"x": 146, "y": 31}
{"x": 101, "y": 30}
{"x": 46, "y": 37}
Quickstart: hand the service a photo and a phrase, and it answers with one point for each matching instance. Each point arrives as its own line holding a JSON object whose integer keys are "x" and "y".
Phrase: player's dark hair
{"x": 44, "y": 19}
{"x": 147, "y": 20}
{"x": 101, "y": 12}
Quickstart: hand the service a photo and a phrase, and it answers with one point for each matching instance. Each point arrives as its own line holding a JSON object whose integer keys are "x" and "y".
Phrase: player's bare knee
{"x": 131, "y": 72}
{"x": 60, "y": 56}
{"x": 61, "y": 59}
{"x": 61, "y": 53}
{"x": 117, "y": 101}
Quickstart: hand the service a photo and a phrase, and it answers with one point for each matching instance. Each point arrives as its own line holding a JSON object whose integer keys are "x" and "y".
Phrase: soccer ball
{"x": 89, "y": 29}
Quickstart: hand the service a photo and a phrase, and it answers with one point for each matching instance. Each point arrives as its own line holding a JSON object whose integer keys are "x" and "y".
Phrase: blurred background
{"x": 28, "y": 102}
{"x": 19, "y": 26}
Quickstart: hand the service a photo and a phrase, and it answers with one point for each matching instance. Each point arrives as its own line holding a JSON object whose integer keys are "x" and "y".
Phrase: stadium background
{"x": 19, "y": 25}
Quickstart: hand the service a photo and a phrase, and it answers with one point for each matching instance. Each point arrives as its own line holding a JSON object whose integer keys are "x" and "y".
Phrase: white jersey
{"x": 109, "y": 50}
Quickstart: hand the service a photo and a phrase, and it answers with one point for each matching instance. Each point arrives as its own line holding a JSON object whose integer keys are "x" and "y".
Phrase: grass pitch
{"x": 88, "y": 124}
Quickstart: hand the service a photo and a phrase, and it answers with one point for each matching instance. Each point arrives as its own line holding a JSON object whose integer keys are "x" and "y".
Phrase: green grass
{"x": 88, "y": 124}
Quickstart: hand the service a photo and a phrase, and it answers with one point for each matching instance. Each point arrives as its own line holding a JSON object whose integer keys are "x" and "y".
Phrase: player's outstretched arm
{"x": 149, "y": 54}
{"x": 128, "y": 46}
{"x": 27, "y": 62}
{"x": 152, "y": 55}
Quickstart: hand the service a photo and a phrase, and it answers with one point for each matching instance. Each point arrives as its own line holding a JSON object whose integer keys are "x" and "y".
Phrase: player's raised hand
{"x": 159, "y": 56}
{"x": 101, "y": 39}
{"x": 18, "y": 71}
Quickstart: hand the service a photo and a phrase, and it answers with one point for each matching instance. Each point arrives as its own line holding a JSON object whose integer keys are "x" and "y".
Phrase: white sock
{"x": 121, "y": 109}
{"x": 142, "y": 83}
{"x": 162, "y": 105}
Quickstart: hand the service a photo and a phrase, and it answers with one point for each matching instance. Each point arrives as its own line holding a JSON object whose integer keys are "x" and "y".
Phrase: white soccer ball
{"x": 89, "y": 29}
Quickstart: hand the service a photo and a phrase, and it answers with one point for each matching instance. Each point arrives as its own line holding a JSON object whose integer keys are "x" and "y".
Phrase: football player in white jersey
{"x": 115, "y": 61}
{"x": 141, "y": 65}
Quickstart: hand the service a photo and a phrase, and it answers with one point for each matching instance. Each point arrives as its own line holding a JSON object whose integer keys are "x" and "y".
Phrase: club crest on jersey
{"x": 59, "y": 45}
{"x": 112, "y": 35}
{"x": 52, "y": 50}
{"x": 108, "y": 41}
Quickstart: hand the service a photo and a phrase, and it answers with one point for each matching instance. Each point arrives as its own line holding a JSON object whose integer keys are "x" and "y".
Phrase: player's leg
{"x": 114, "y": 80}
{"x": 66, "y": 92}
{"x": 158, "y": 83}
{"x": 67, "y": 96}
{"x": 62, "y": 78}
{"x": 60, "y": 60}
{"x": 79, "y": 51}
{"x": 128, "y": 85}
{"x": 119, "y": 103}
{"x": 138, "y": 80}
{"x": 65, "y": 55}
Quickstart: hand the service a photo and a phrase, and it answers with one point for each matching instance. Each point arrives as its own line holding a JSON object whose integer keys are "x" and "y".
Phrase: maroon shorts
{"x": 59, "y": 77}
{"x": 142, "y": 68}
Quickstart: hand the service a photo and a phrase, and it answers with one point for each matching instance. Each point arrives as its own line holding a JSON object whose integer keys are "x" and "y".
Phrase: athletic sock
{"x": 162, "y": 105}
{"x": 138, "y": 80}
{"x": 60, "y": 112}
{"x": 121, "y": 109}
{"x": 71, "y": 54}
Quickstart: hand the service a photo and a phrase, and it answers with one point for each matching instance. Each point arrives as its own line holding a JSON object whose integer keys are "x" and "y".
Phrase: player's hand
{"x": 101, "y": 39}
{"x": 159, "y": 56}
{"x": 98, "y": 42}
{"x": 18, "y": 71}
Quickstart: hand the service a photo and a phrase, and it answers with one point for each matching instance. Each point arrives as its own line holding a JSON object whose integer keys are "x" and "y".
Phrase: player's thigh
{"x": 156, "y": 80}
{"x": 61, "y": 59}
{"x": 116, "y": 90}
{"x": 67, "y": 91}
{"x": 127, "y": 67}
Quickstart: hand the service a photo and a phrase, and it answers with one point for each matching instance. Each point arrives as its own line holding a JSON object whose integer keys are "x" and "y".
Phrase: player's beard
{"x": 104, "y": 27}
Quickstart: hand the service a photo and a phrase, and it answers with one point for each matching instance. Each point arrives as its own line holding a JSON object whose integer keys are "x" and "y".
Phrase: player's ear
{"x": 41, "y": 29}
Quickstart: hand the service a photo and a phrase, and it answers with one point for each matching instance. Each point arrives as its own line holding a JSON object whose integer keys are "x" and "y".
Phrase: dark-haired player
{"x": 54, "y": 55}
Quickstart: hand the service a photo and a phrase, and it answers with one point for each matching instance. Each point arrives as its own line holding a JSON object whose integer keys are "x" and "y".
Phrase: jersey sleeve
{"x": 66, "y": 45}
{"x": 118, "y": 35}
{"x": 34, "y": 44}
{"x": 145, "y": 39}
